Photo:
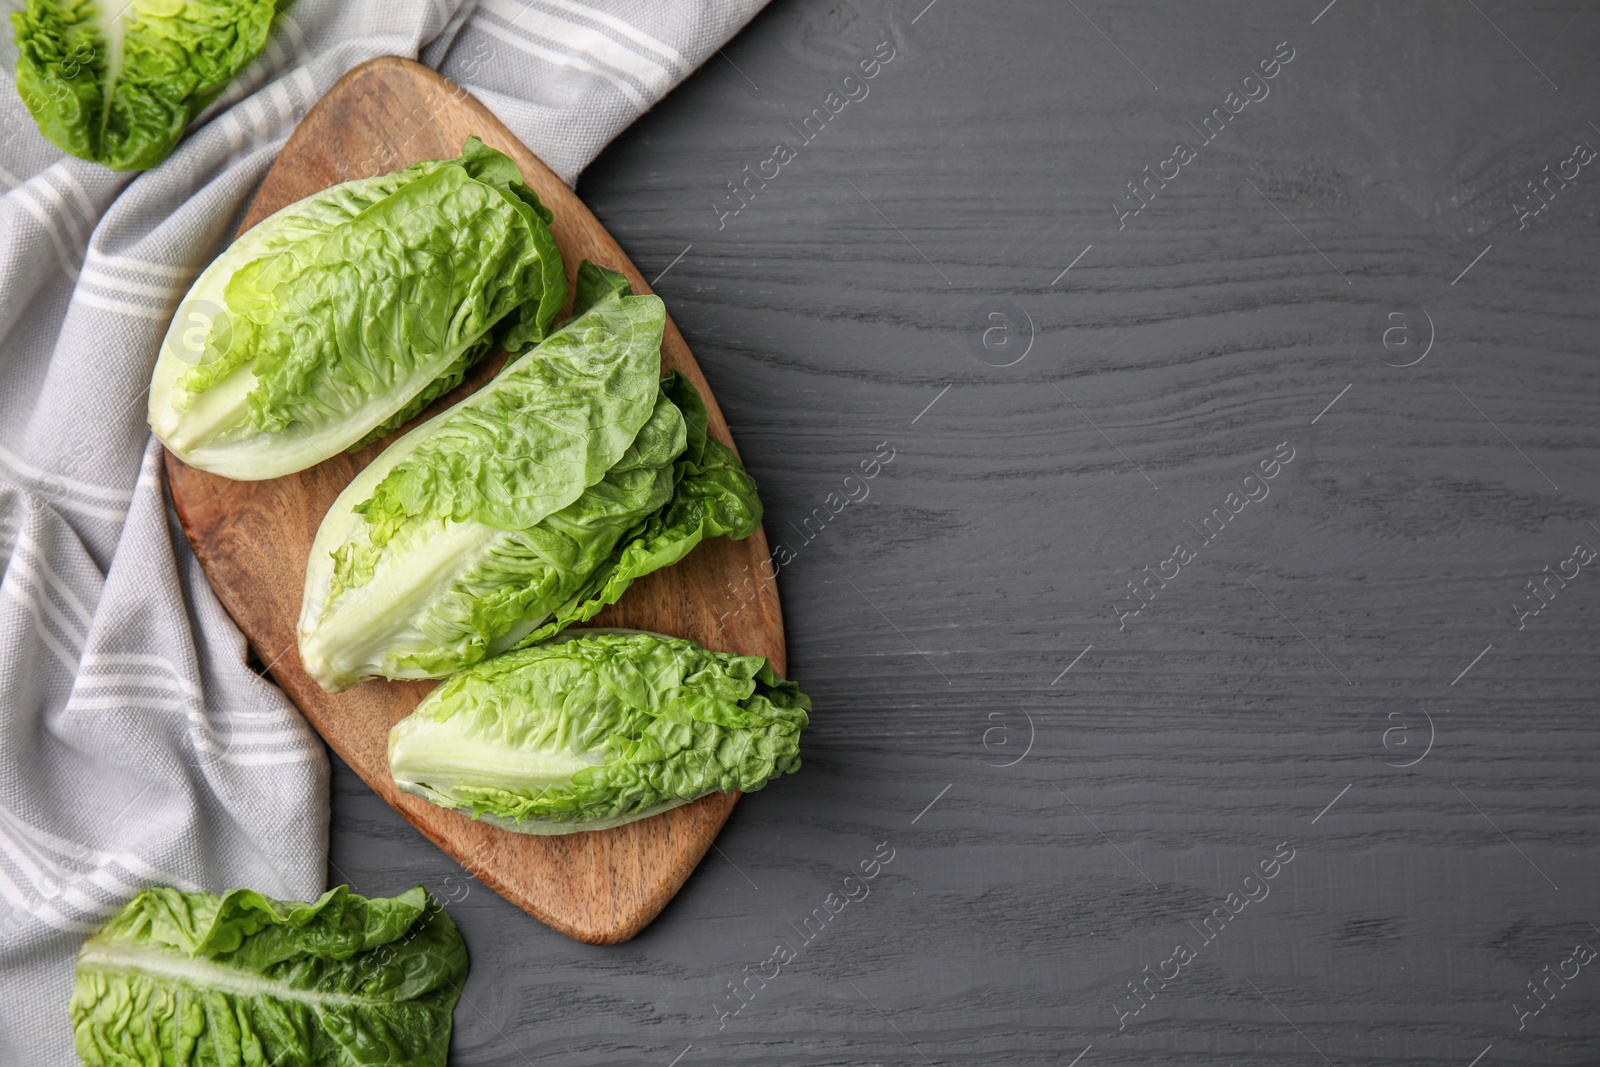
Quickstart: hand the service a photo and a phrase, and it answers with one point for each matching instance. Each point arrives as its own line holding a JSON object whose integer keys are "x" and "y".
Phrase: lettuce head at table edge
{"x": 117, "y": 81}
{"x": 242, "y": 980}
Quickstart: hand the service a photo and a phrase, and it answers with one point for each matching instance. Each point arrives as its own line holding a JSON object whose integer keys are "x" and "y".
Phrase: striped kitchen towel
{"x": 137, "y": 747}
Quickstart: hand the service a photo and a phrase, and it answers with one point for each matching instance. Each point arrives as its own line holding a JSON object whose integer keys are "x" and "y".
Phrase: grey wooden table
{"x": 1186, "y": 657}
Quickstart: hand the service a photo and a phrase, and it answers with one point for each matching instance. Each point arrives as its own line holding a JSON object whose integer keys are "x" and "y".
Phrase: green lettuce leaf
{"x": 542, "y": 432}
{"x": 338, "y": 318}
{"x": 596, "y": 729}
{"x": 596, "y": 284}
{"x": 196, "y": 980}
{"x": 117, "y": 81}
{"x": 529, "y": 505}
{"x": 714, "y": 497}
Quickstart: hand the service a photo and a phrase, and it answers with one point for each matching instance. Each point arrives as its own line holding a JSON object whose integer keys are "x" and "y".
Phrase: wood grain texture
{"x": 253, "y": 540}
{"x": 1195, "y": 740}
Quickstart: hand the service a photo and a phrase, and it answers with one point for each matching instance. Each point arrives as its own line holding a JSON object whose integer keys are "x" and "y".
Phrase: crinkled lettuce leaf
{"x": 595, "y": 284}
{"x": 542, "y": 432}
{"x": 117, "y": 81}
{"x": 596, "y": 729}
{"x": 529, "y": 505}
{"x": 714, "y": 497}
{"x": 337, "y": 319}
{"x": 182, "y": 979}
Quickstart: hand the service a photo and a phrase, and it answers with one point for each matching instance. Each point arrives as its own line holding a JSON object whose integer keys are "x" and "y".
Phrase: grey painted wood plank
{"x": 1295, "y": 661}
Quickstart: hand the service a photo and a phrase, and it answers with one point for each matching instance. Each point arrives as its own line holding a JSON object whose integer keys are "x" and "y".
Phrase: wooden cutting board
{"x": 254, "y": 538}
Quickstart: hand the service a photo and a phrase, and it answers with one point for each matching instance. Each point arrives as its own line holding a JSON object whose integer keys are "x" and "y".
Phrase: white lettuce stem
{"x": 112, "y": 17}
{"x": 445, "y": 755}
{"x": 351, "y": 640}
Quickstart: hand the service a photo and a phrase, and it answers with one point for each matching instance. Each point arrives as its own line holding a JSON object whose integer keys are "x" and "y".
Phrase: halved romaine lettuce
{"x": 200, "y": 980}
{"x": 338, "y": 318}
{"x": 116, "y": 81}
{"x": 598, "y": 728}
{"x": 528, "y": 506}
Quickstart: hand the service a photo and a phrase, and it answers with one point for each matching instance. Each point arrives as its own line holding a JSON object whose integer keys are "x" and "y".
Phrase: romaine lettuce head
{"x": 529, "y": 505}
{"x": 116, "y": 81}
{"x": 199, "y": 980}
{"x": 341, "y": 316}
{"x": 596, "y": 729}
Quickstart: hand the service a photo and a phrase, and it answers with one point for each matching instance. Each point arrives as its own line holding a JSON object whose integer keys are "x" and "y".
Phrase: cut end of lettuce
{"x": 599, "y": 729}
{"x": 340, "y": 317}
